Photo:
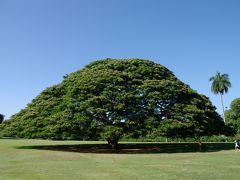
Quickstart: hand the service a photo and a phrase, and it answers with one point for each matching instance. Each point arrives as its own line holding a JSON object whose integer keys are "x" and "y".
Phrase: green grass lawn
{"x": 20, "y": 160}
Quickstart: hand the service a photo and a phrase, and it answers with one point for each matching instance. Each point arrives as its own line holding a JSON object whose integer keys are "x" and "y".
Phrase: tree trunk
{"x": 223, "y": 108}
{"x": 113, "y": 144}
{"x": 199, "y": 145}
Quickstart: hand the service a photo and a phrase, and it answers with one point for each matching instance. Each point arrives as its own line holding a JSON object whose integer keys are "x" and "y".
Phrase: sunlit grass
{"x": 17, "y": 163}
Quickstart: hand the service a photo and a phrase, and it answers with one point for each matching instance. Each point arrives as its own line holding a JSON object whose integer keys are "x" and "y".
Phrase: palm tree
{"x": 220, "y": 85}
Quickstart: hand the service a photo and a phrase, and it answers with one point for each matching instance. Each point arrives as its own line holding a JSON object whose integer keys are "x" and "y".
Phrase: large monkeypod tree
{"x": 113, "y": 98}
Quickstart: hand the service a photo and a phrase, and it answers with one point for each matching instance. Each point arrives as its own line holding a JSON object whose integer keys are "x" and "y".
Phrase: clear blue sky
{"x": 40, "y": 41}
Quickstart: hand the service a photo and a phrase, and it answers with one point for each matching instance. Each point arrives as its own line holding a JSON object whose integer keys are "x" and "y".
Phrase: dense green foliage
{"x": 233, "y": 115}
{"x": 220, "y": 85}
{"x": 1, "y": 118}
{"x": 111, "y": 98}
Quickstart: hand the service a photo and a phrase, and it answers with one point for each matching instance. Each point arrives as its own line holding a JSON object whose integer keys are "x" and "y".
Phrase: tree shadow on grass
{"x": 136, "y": 148}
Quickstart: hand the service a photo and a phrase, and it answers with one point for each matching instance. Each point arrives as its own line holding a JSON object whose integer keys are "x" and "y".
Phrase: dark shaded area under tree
{"x": 137, "y": 148}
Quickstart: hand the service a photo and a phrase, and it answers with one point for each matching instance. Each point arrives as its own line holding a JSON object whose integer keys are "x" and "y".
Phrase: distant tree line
{"x": 233, "y": 115}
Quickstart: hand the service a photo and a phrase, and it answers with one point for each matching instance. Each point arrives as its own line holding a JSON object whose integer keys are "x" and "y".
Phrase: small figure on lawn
{"x": 237, "y": 145}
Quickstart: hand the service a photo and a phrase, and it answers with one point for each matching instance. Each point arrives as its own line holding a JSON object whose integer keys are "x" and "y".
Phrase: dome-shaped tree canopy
{"x": 109, "y": 98}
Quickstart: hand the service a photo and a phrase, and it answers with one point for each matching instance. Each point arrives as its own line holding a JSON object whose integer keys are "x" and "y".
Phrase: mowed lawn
{"x": 17, "y": 162}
